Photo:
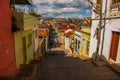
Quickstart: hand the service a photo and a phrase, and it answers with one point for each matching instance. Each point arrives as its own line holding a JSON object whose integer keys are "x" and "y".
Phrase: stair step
{"x": 115, "y": 68}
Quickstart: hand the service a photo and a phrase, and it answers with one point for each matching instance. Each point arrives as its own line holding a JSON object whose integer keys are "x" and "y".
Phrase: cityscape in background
{"x": 38, "y": 36}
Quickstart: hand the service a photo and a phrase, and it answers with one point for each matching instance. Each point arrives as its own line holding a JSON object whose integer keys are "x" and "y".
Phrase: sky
{"x": 61, "y": 8}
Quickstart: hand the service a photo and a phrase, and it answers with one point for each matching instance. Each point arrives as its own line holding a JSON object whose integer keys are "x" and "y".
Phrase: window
{"x": 78, "y": 44}
{"x": 98, "y": 2}
{"x": 115, "y": 1}
{"x": 29, "y": 40}
{"x": 88, "y": 46}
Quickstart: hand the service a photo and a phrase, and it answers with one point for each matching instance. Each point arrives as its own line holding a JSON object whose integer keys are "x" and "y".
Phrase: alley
{"x": 60, "y": 40}
{"x": 60, "y": 66}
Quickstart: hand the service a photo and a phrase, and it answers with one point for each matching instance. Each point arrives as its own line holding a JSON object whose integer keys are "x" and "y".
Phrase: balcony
{"x": 115, "y": 10}
{"x": 23, "y": 21}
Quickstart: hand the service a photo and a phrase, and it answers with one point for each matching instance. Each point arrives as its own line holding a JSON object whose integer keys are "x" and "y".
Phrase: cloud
{"x": 70, "y": 9}
{"x": 49, "y": 1}
{"x": 23, "y": 8}
{"x": 81, "y": 16}
{"x": 60, "y": 16}
{"x": 47, "y": 9}
{"x": 88, "y": 12}
{"x": 59, "y": 7}
{"x": 60, "y": 3}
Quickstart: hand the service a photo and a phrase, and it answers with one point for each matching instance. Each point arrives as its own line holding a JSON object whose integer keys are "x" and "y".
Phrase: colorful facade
{"x": 23, "y": 47}
{"x": 77, "y": 42}
{"x": 85, "y": 40}
{"x": 66, "y": 34}
{"x": 24, "y": 37}
{"x": 42, "y": 32}
{"x": 7, "y": 51}
{"x": 35, "y": 43}
{"x": 109, "y": 47}
{"x": 82, "y": 41}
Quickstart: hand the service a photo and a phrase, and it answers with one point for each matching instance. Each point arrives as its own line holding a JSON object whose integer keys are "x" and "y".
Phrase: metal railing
{"x": 115, "y": 9}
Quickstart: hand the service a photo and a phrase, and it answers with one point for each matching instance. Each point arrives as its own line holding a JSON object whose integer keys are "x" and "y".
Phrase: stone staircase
{"x": 114, "y": 66}
{"x": 25, "y": 72}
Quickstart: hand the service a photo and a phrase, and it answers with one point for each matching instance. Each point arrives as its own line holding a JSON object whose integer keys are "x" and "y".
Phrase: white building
{"x": 35, "y": 43}
{"x": 110, "y": 32}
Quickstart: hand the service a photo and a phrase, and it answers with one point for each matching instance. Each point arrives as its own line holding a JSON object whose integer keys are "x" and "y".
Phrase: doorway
{"x": 114, "y": 45}
{"x": 24, "y": 50}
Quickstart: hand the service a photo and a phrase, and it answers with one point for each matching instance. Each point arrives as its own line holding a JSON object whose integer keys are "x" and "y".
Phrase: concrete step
{"x": 99, "y": 63}
{"x": 115, "y": 68}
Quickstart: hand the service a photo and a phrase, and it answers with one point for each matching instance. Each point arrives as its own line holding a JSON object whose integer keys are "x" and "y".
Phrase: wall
{"x": 7, "y": 54}
{"x": 93, "y": 40}
{"x": 67, "y": 42}
{"x": 76, "y": 39}
{"x": 85, "y": 38}
{"x": 111, "y": 25}
{"x": 19, "y": 48}
{"x": 35, "y": 42}
{"x": 42, "y": 47}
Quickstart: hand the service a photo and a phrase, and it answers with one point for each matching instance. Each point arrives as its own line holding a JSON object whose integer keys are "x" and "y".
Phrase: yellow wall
{"x": 18, "y": 47}
{"x": 85, "y": 34}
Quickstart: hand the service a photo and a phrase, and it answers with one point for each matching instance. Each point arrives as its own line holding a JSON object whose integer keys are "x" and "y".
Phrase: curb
{"x": 115, "y": 68}
{"x": 99, "y": 63}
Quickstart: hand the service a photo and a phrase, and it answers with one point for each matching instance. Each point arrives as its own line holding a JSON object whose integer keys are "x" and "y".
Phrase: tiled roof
{"x": 65, "y": 27}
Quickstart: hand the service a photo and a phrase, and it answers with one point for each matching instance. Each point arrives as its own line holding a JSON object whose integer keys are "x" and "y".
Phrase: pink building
{"x": 7, "y": 53}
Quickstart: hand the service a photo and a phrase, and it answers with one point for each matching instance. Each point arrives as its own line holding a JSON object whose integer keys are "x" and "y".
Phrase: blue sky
{"x": 61, "y": 8}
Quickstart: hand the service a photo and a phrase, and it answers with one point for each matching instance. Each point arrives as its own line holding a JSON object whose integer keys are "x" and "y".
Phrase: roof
{"x": 65, "y": 27}
{"x": 86, "y": 29}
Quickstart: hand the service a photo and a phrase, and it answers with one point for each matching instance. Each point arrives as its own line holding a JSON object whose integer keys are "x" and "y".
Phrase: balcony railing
{"x": 115, "y": 10}
{"x": 24, "y": 21}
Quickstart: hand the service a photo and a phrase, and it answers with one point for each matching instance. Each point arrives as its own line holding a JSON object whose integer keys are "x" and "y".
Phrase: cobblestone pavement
{"x": 60, "y": 66}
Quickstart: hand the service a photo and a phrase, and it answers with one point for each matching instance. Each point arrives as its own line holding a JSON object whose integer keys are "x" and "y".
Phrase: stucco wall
{"x": 111, "y": 25}
{"x": 19, "y": 48}
{"x": 7, "y": 54}
{"x": 35, "y": 42}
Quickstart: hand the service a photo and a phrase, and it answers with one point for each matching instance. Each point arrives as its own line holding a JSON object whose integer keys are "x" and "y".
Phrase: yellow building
{"x": 23, "y": 37}
{"x": 82, "y": 41}
{"x": 85, "y": 40}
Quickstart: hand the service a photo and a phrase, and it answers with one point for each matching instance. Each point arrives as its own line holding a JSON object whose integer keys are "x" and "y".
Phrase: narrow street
{"x": 60, "y": 66}
{"x": 60, "y": 40}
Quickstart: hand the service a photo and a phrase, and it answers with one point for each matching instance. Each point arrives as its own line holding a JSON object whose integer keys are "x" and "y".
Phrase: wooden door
{"x": 114, "y": 45}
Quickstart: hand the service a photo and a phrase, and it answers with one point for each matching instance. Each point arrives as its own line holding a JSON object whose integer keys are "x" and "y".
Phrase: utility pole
{"x": 98, "y": 9}
{"x": 103, "y": 35}
{"x": 99, "y": 32}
